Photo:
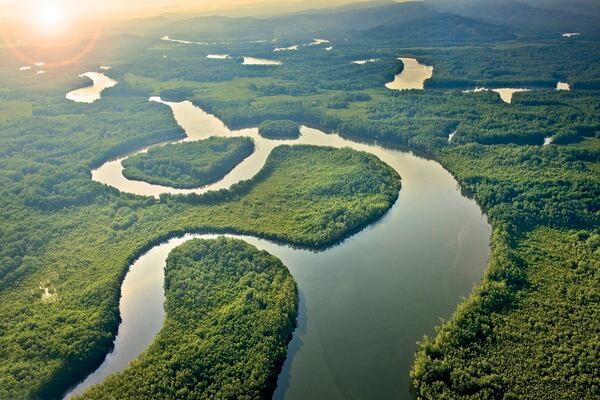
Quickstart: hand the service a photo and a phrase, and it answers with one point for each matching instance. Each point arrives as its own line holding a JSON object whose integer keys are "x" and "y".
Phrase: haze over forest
{"x": 252, "y": 7}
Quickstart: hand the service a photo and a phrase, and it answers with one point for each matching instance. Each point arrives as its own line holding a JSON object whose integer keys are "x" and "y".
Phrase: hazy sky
{"x": 77, "y": 7}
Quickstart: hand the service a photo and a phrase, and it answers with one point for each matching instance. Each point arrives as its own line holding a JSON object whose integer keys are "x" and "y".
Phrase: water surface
{"x": 318, "y": 42}
{"x": 413, "y": 76}
{"x": 90, "y": 94}
{"x": 363, "y": 62}
{"x": 290, "y": 48}
{"x": 260, "y": 61}
{"x": 364, "y": 303}
{"x": 506, "y": 94}
{"x": 169, "y": 39}
{"x": 451, "y": 136}
{"x": 218, "y": 56}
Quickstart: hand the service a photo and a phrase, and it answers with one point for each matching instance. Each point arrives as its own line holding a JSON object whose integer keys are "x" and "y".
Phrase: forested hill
{"x": 429, "y": 20}
{"x": 584, "y": 7}
{"x": 404, "y": 18}
{"x": 525, "y": 16}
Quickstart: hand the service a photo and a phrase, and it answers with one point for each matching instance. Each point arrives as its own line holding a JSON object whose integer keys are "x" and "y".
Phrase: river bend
{"x": 363, "y": 303}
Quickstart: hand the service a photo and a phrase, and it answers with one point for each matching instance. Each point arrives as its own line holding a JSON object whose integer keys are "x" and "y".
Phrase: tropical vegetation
{"x": 188, "y": 165}
{"x": 529, "y": 330}
{"x": 279, "y": 129}
{"x": 230, "y": 312}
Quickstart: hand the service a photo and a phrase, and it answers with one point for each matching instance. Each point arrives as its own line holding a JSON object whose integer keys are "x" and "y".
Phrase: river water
{"x": 506, "y": 94}
{"x": 413, "y": 76}
{"x": 260, "y": 61}
{"x": 363, "y": 303}
{"x": 89, "y": 94}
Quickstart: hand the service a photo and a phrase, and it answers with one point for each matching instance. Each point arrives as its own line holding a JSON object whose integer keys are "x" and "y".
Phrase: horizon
{"x": 16, "y": 9}
{"x": 48, "y": 22}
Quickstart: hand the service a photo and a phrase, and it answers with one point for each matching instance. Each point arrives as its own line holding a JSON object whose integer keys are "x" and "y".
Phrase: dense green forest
{"x": 188, "y": 165}
{"x": 523, "y": 187}
{"x": 79, "y": 247}
{"x": 531, "y": 65}
{"x": 496, "y": 153}
{"x": 528, "y": 331}
{"x": 280, "y": 129}
{"x": 230, "y": 312}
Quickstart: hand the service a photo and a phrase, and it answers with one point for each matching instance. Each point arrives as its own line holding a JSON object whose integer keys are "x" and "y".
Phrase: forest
{"x": 188, "y": 165}
{"x": 230, "y": 312}
{"x": 528, "y": 332}
{"x": 279, "y": 129}
{"x": 532, "y": 193}
{"x": 80, "y": 250}
{"x": 529, "y": 329}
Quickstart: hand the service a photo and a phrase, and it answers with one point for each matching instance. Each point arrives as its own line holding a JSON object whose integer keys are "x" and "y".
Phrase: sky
{"x": 25, "y": 8}
{"x": 54, "y": 19}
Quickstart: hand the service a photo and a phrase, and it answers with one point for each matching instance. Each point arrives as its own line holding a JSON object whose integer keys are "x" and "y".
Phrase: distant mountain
{"x": 521, "y": 16}
{"x": 352, "y": 6}
{"x": 441, "y": 28}
{"x": 415, "y": 20}
{"x": 345, "y": 18}
{"x": 585, "y": 7}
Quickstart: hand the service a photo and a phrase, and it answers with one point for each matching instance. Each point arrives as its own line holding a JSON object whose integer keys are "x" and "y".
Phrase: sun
{"x": 51, "y": 17}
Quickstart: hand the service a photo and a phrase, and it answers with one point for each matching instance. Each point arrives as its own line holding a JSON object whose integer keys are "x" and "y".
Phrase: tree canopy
{"x": 188, "y": 165}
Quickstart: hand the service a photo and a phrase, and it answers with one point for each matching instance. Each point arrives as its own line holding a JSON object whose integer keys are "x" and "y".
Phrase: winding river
{"x": 363, "y": 303}
{"x": 90, "y": 94}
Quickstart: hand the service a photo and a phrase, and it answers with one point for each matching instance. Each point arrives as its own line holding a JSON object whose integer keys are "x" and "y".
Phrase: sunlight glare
{"x": 51, "y": 17}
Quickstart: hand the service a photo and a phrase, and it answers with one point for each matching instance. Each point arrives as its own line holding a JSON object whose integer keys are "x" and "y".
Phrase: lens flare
{"x": 51, "y": 17}
{"x": 60, "y": 32}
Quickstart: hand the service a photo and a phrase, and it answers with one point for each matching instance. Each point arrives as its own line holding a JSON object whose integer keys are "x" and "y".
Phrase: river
{"x": 260, "y": 61}
{"x": 363, "y": 303}
{"x": 506, "y": 94}
{"x": 413, "y": 75}
{"x": 90, "y": 94}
